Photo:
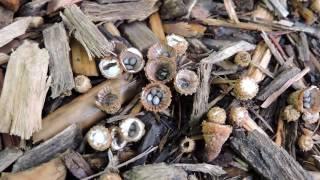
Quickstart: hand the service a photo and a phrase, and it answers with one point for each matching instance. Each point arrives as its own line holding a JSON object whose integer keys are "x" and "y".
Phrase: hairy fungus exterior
{"x": 108, "y": 101}
{"x": 161, "y": 70}
{"x": 217, "y": 115}
{"x": 245, "y": 89}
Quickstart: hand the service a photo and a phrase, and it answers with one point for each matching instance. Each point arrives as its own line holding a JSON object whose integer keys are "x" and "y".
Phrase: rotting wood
{"x": 132, "y": 11}
{"x": 59, "y": 63}
{"x": 8, "y": 156}
{"x": 52, "y": 170}
{"x": 184, "y": 29}
{"x": 227, "y": 52}
{"x": 54, "y": 5}
{"x": 139, "y": 35}
{"x": 76, "y": 164}
{"x": 13, "y": 30}
{"x": 34, "y": 8}
{"x": 81, "y": 64}
{"x": 24, "y": 90}
{"x": 86, "y": 33}
{"x": 6, "y": 17}
{"x": 240, "y": 25}
{"x": 69, "y": 138}
{"x": 83, "y": 110}
{"x": 172, "y": 9}
{"x": 277, "y": 93}
{"x": 279, "y": 81}
{"x": 266, "y": 158}
{"x": 156, "y": 26}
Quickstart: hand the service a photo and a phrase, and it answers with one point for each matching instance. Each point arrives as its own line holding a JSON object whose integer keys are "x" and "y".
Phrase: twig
{"x": 213, "y": 170}
{"x": 276, "y": 94}
{"x": 231, "y": 11}
{"x": 272, "y": 48}
{"x": 146, "y": 152}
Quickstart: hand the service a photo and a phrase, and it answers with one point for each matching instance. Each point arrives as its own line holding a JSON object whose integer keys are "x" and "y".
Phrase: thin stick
{"x": 276, "y": 94}
{"x": 272, "y": 48}
{"x": 145, "y": 153}
{"x": 261, "y": 118}
{"x": 231, "y": 11}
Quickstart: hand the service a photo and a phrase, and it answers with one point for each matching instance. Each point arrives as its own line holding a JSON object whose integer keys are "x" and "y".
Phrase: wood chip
{"x": 59, "y": 62}
{"x": 133, "y": 11}
{"x": 24, "y": 91}
{"x": 8, "y": 156}
{"x": 86, "y": 33}
{"x": 13, "y": 30}
{"x": 184, "y": 29}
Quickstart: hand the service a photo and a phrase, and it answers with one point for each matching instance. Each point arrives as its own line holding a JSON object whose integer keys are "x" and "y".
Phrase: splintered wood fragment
{"x": 52, "y": 170}
{"x": 200, "y": 99}
{"x": 277, "y": 83}
{"x": 273, "y": 48}
{"x": 112, "y": 29}
{"x": 277, "y": 93}
{"x": 156, "y": 26}
{"x": 59, "y": 63}
{"x": 227, "y": 52}
{"x": 262, "y": 57}
{"x": 13, "y": 30}
{"x": 133, "y": 11}
{"x": 55, "y": 5}
{"x": 6, "y": 17}
{"x": 83, "y": 110}
{"x": 76, "y": 164}
{"x": 86, "y": 33}
{"x": 139, "y": 35}
{"x": 69, "y": 138}
{"x": 80, "y": 61}
{"x": 4, "y": 58}
{"x": 231, "y": 11}
{"x": 172, "y": 9}
{"x": 240, "y": 25}
{"x": 279, "y": 7}
{"x": 8, "y": 156}
{"x": 159, "y": 171}
{"x": 24, "y": 90}
{"x": 304, "y": 52}
{"x": 267, "y": 158}
{"x": 184, "y": 29}
{"x": 11, "y": 4}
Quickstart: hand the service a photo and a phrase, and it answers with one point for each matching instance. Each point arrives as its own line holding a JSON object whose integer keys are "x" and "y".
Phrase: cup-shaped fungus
{"x": 99, "y": 138}
{"x": 131, "y": 60}
{"x": 186, "y": 82}
{"x": 156, "y": 97}
{"x": 132, "y": 129}
{"x": 161, "y": 70}
{"x": 163, "y": 51}
{"x": 110, "y": 68}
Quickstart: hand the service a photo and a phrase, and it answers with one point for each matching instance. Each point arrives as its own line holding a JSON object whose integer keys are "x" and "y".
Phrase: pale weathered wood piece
{"x": 71, "y": 137}
{"x": 56, "y": 42}
{"x": 24, "y": 90}
{"x": 8, "y": 156}
{"x": 86, "y": 32}
{"x": 132, "y": 11}
{"x": 13, "y": 30}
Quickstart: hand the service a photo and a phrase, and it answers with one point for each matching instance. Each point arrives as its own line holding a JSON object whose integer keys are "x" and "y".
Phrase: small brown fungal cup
{"x": 99, "y": 138}
{"x": 245, "y": 89}
{"x": 187, "y": 145}
{"x": 160, "y": 50}
{"x": 179, "y": 43}
{"x": 110, "y": 68}
{"x": 305, "y": 141}
{"x": 162, "y": 70}
{"x": 242, "y": 58}
{"x": 307, "y": 100}
{"x": 217, "y": 115}
{"x": 215, "y": 135}
{"x": 108, "y": 101}
{"x": 82, "y": 84}
{"x": 290, "y": 113}
{"x": 156, "y": 97}
{"x": 186, "y": 82}
{"x": 131, "y": 60}
{"x": 132, "y": 129}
